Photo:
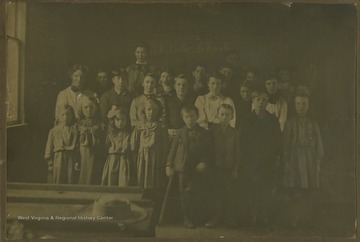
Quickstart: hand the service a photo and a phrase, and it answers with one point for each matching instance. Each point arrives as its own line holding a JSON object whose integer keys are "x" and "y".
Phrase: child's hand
{"x": 50, "y": 178}
{"x": 77, "y": 166}
{"x": 201, "y": 167}
{"x": 169, "y": 171}
{"x": 172, "y": 132}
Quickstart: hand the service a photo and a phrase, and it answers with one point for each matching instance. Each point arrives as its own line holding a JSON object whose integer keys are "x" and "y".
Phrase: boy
{"x": 199, "y": 87}
{"x": 175, "y": 103}
{"x": 226, "y": 144}
{"x": 243, "y": 102}
{"x": 117, "y": 96}
{"x": 260, "y": 144}
{"x": 101, "y": 84}
{"x": 138, "y": 104}
{"x": 209, "y": 103}
{"x": 189, "y": 156}
{"x": 229, "y": 85}
{"x": 277, "y": 104}
{"x": 136, "y": 72}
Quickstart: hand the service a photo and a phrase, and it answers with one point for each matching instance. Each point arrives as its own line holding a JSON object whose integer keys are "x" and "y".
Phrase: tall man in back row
{"x": 136, "y": 72}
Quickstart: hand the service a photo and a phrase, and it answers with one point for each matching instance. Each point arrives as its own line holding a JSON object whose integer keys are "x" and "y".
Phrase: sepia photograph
{"x": 188, "y": 120}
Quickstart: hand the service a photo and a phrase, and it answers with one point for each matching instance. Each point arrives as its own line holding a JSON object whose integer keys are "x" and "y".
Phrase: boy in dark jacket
{"x": 189, "y": 156}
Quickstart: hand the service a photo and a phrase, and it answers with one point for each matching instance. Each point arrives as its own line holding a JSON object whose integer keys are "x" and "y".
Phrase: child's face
{"x": 260, "y": 102}
{"x": 77, "y": 79}
{"x": 151, "y": 112}
{"x": 199, "y": 73}
{"x": 165, "y": 79}
{"x": 224, "y": 115}
{"x": 250, "y": 76}
{"x": 120, "y": 121}
{"x": 214, "y": 85}
{"x": 190, "y": 118}
{"x": 102, "y": 78}
{"x": 141, "y": 54}
{"x": 149, "y": 85}
{"x": 227, "y": 72}
{"x": 119, "y": 84}
{"x": 65, "y": 117}
{"x": 181, "y": 87}
{"x": 245, "y": 93}
{"x": 301, "y": 105}
{"x": 88, "y": 108}
{"x": 271, "y": 86}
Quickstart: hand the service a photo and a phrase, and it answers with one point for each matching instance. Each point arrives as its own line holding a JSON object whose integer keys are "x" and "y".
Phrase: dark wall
{"x": 180, "y": 35}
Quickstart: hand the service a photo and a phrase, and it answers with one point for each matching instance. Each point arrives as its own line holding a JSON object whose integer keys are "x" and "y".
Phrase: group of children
{"x": 211, "y": 132}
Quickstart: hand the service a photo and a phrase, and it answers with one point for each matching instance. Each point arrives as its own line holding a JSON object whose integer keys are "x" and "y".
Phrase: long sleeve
{"x": 231, "y": 103}
{"x": 173, "y": 150}
{"x": 135, "y": 140}
{"x": 61, "y": 100}
{"x": 286, "y": 141}
{"x": 133, "y": 112}
{"x": 319, "y": 143}
{"x": 283, "y": 114}
{"x": 163, "y": 117}
{"x": 200, "y": 105}
{"x": 104, "y": 107}
{"x": 49, "y": 150}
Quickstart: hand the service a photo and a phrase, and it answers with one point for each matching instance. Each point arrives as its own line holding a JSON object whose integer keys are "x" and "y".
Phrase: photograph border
{"x": 3, "y": 99}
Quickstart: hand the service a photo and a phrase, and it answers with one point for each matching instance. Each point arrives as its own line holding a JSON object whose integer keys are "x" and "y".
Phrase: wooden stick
{"x": 166, "y": 198}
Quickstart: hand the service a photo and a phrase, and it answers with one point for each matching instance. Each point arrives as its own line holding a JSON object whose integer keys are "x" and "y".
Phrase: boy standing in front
{"x": 189, "y": 157}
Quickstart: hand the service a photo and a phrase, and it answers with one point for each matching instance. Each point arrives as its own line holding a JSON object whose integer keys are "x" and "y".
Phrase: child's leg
{"x": 186, "y": 198}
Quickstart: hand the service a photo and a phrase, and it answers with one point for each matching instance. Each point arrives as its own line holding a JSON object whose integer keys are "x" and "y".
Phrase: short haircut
{"x": 200, "y": 64}
{"x": 67, "y": 108}
{"x": 167, "y": 70}
{"x": 76, "y": 67}
{"x": 121, "y": 73}
{"x": 181, "y": 76}
{"x": 150, "y": 74}
{"x": 142, "y": 44}
{"x": 217, "y": 75}
{"x": 302, "y": 91}
{"x": 189, "y": 109}
{"x": 246, "y": 84}
{"x": 227, "y": 107}
{"x": 258, "y": 93}
{"x": 226, "y": 65}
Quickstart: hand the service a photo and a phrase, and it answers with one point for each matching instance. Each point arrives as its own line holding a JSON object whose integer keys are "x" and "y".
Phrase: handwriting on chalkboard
{"x": 189, "y": 48}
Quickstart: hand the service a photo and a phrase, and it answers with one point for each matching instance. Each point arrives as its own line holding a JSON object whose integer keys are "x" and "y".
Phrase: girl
{"x": 138, "y": 103}
{"x": 61, "y": 147}
{"x": 91, "y": 135}
{"x": 149, "y": 141}
{"x": 117, "y": 167}
{"x": 302, "y": 155}
{"x": 166, "y": 84}
{"x": 303, "y": 148}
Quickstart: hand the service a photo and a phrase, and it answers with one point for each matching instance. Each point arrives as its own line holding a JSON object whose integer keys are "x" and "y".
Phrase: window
{"x": 15, "y": 31}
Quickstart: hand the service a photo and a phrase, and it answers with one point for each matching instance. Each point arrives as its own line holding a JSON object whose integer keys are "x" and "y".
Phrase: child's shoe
{"x": 231, "y": 223}
{"x": 211, "y": 223}
{"x": 188, "y": 223}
